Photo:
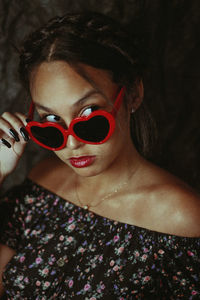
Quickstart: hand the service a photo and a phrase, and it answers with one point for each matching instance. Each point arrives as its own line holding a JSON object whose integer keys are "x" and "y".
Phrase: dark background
{"x": 172, "y": 89}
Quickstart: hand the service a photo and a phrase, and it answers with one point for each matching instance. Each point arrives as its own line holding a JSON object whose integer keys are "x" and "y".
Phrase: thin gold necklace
{"x": 88, "y": 207}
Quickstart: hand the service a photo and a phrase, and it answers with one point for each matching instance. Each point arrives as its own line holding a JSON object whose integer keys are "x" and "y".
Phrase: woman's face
{"x": 61, "y": 94}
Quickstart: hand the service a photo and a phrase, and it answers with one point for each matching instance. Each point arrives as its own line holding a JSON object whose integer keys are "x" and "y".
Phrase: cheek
{"x": 114, "y": 145}
{"x": 63, "y": 154}
{"x": 60, "y": 155}
{"x": 122, "y": 129}
{"x": 119, "y": 137}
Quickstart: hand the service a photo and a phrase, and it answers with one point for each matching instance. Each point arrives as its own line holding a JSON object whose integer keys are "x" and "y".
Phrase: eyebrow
{"x": 78, "y": 103}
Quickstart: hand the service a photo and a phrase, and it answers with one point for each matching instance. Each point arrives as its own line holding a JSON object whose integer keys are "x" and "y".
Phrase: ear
{"x": 138, "y": 97}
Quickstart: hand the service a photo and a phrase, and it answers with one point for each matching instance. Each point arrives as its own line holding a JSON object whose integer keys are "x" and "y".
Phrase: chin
{"x": 90, "y": 171}
{"x": 86, "y": 172}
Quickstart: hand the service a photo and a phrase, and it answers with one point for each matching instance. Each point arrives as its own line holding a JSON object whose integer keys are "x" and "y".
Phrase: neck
{"x": 116, "y": 176}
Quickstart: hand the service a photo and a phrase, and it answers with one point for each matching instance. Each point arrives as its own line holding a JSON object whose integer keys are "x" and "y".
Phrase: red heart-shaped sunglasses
{"x": 95, "y": 129}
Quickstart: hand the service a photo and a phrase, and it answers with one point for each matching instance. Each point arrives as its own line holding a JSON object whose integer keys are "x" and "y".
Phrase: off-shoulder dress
{"x": 66, "y": 252}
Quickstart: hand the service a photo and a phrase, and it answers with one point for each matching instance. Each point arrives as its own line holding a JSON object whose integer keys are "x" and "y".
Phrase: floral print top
{"x": 66, "y": 252}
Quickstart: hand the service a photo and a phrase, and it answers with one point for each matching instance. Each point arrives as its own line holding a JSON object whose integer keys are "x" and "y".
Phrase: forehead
{"x": 59, "y": 79}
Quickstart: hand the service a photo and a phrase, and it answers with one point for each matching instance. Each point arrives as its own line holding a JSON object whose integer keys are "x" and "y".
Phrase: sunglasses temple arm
{"x": 118, "y": 101}
{"x": 31, "y": 111}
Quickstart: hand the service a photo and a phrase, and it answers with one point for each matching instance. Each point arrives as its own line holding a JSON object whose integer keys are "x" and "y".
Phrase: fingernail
{"x": 27, "y": 120}
{"x": 6, "y": 143}
{"x": 14, "y": 134}
{"x": 24, "y": 134}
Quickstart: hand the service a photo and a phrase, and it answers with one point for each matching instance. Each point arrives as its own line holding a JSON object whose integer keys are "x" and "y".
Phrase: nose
{"x": 73, "y": 143}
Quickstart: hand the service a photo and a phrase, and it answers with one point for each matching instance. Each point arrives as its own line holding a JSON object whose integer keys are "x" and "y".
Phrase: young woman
{"x": 96, "y": 220}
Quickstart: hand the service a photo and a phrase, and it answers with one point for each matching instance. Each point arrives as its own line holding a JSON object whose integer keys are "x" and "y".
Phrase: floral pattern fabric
{"x": 66, "y": 252}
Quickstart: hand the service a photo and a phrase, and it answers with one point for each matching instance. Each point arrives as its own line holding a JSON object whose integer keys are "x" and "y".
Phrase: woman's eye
{"x": 89, "y": 110}
{"x": 51, "y": 118}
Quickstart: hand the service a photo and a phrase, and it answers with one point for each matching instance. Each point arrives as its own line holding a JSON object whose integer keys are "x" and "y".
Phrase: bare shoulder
{"x": 183, "y": 210}
{"x": 175, "y": 204}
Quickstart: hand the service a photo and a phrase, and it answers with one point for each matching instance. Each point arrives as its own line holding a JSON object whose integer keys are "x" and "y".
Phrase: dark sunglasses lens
{"x": 94, "y": 130}
{"x": 48, "y": 136}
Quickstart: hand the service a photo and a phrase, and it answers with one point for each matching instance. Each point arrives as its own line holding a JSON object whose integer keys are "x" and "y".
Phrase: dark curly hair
{"x": 98, "y": 41}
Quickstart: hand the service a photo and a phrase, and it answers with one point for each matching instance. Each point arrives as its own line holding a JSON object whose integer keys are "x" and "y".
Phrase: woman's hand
{"x": 13, "y": 138}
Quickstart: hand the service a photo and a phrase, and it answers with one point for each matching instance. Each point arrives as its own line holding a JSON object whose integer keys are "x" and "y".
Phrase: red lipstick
{"x": 82, "y": 161}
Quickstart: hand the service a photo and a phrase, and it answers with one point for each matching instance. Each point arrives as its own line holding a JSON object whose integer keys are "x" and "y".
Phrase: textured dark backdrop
{"x": 172, "y": 88}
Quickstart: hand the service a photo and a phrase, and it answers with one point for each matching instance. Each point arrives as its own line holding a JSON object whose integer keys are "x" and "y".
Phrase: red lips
{"x": 82, "y": 161}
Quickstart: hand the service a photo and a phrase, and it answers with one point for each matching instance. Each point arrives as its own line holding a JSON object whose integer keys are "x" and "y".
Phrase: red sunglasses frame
{"x": 110, "y": 116}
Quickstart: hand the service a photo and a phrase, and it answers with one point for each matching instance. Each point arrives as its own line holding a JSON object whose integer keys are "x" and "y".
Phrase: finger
{"x": 23, "y": 130}
{"x": 21, "y": 117}
{"x": 15, "y": 123}
{"x": 6, "y": 140}
{"x": 6, "y": 143}
{"x": 7, "y": 127}
{"x": 9, "y": 142}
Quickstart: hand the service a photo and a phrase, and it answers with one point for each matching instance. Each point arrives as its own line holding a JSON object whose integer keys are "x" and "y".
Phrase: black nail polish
{"x": 6, "y": 143}
{"x": 14, "y": 134}
{"x": 24, "y": 134}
